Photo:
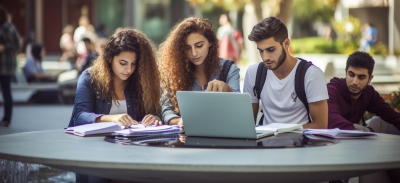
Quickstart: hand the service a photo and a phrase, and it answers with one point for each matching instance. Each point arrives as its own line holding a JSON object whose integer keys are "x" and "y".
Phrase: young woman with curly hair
{"x": 122, "y": 85}
{"x": 189, "y": 62}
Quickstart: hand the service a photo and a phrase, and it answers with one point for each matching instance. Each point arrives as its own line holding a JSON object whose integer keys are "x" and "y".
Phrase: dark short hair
{"x": 3, "y": 14}
{"x": 361, "y": 59}
{"x": 267, "y": 28}
{"x": 36, "y": 50}
{"x": 86, "y": 40}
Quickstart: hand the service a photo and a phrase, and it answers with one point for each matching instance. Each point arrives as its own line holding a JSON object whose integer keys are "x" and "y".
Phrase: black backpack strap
{"x": 259, "y": 84}
{"x": 223, "y": 75}
{"x": 299, "y": 83}
{"x": 260, "y": 79}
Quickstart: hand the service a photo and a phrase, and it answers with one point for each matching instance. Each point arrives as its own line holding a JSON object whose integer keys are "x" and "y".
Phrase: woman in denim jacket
{"x": 189, "y": 62}
{"x": 123, "y": 84}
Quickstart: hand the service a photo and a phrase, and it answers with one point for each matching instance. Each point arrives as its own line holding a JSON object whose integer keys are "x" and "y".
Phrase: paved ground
{"x": 29, "y": 117}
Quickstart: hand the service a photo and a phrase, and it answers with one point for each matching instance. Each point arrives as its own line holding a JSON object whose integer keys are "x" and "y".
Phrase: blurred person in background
{"x": 91, "y": 56}
{"x": 230, "y": 40}
{"x": 102, "y": 32}
{"x": 33, "y": 70}
{"x": 85, "y": 29}
{"x": 369, "y": 37}
{"x": 67, "y": 44}
{"x": 28, "y": 42}
{"x": 9, "y": 48}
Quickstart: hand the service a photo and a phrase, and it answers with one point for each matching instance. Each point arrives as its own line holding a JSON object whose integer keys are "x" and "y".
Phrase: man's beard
{"x": 358, "y": 93}
{"x": 355, "y": 94}
{"x": 281, "y": 59}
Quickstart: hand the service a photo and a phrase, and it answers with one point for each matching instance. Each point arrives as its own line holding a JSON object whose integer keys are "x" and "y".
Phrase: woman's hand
{"x": 151, "y": 120}
{"x": 2, "y": 48}
{"x": 180, "y": 123}
{"x": 176, "y": 121}
{"x": 122, "y": 119}
{"x": 218, "y": 86}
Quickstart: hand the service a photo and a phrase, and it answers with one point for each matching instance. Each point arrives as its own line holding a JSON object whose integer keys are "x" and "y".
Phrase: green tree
{"x": 308, "y": 12}
{"x": 349, "y": 34}
{"x": 282, "y": 8}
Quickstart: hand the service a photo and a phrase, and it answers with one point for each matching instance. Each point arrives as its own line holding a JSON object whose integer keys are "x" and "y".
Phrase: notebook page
{"x": 278, "y": 127}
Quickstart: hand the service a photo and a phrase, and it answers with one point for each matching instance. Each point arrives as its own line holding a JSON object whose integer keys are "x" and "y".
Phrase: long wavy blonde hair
{"x": 144, "y": 83}
{"x": 177, "y": 71}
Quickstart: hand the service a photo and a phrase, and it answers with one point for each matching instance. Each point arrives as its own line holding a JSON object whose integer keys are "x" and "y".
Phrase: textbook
{"x": 339, "y": 134}
{"x": 94, "y": 128}
{"x": 276, "y": 128}
{"x": 109, "y": 127}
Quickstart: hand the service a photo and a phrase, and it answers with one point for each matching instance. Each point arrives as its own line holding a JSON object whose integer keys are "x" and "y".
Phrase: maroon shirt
{"x": 344, "y": 111}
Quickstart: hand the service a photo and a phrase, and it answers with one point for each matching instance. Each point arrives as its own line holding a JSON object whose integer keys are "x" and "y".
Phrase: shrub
{"x": 379, "y": 49}
{"x": 394, "y": 100}
{"x": 314, "y": 45}
{"x": 348, "y": 31}
{"x": 397, "y": 51}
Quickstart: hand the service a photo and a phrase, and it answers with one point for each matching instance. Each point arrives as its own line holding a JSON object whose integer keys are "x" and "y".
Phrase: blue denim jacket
{"x": 233, "y": 80}
{"x": 89, "y": 105}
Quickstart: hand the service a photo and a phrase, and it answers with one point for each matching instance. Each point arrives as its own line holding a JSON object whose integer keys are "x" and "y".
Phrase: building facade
{"x": 45, "y": 19}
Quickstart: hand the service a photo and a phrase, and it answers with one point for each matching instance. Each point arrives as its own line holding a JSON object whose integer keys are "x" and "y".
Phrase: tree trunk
{"x": 258, "y": 9}
{"x": 285, "y": 8}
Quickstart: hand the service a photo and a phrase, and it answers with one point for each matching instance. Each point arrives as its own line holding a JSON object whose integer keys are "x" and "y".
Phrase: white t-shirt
{"x": 276, "y": 96}
{"x": 119, "y": 108}
{"x": 80, "y": 33}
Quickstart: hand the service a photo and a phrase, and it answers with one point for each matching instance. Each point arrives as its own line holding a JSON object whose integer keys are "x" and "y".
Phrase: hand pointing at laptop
{"x": 218, "y": 86}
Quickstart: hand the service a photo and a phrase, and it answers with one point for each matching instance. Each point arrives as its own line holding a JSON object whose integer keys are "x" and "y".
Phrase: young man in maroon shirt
{"x": 350, "y": 97}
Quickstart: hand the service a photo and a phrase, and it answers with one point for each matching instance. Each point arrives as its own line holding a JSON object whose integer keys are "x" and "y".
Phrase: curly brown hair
{"x": 177, "y": 71}
{"x": 144, "y": 83}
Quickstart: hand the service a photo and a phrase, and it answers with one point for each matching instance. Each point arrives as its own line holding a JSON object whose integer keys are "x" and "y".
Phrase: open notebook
{"x": 276, "y": 128}
{"x": 221, "y": 114}
{"x": 109, "y": 127}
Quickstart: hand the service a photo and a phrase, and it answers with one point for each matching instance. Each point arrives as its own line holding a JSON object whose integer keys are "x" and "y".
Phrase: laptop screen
{"x": 217, "y": 114}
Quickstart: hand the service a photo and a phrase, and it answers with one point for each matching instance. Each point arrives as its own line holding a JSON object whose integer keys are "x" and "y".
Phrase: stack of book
{"x": 111, "y": 127}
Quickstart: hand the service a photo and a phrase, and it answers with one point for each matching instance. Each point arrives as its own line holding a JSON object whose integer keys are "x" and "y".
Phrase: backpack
{"x": 223, "y": 75}
{"x": 298, "y": 83}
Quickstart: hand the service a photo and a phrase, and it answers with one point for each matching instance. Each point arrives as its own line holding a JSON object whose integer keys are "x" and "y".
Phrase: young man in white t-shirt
{"x": 279, "y": 100}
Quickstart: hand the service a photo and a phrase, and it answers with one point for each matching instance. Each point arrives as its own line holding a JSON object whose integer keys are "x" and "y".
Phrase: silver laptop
{"x": 217, "y": 114}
